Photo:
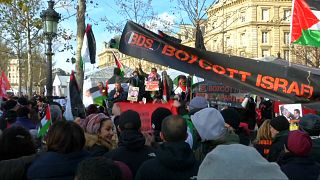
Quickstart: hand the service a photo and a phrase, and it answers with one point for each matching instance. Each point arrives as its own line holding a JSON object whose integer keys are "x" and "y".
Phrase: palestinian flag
{"x": 88, "y": 50}
{"x": 4, "y": 85}
{"x": 305, "y": 23}
{"x": 119, "y": 65}
{"x": 94, "y": 96}
{"x": 45, "y": 123}
{"x": 74, "y": 106}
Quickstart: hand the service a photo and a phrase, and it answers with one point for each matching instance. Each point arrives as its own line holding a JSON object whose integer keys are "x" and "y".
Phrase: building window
{"x": 286, "y": 15}
{"x": 286, "y": 54}
{"x": 242, "y": 38}
{"x": 286, "y": 38}
{"x": 228, "y": 43}
{"x": 265, "y": 53}
{"x": 242, "y": 17}
{"x": 264, "y": 37}
{"x": 265, "y": 15}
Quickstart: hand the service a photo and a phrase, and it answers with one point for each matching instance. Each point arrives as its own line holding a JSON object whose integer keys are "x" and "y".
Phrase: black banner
{"x": 278, "y": 82}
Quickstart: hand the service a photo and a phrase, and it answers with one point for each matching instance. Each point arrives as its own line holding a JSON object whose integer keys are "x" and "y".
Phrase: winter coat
{"x": 15, "y": 169}
{"x": 263, "y": 147}
{"x": 53, "y": 165}
{"x": 174, "y": 160}
{"x": 277, "y": 146}
{"x": 132, "y": 150}
{"x": 207, "y": 146}
{"x": 296, "y": 167}
{"x": 96, "y": 146}
{"x": 25, "y": 122}
{"x": 243, "y": 136}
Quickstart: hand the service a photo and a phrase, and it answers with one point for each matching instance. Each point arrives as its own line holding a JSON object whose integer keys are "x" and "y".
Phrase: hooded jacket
{"x": 277, "y": 146}
{"x": 132, "y": 150}
{"x": 174, "y": 160}
{"x": 52, "y": 165}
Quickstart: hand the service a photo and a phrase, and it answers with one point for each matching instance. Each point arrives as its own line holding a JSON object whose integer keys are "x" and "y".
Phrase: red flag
{"x": 4, "y": 85}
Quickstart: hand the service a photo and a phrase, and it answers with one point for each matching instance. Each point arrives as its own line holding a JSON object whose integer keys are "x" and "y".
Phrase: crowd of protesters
{"x": 196, "y": 141}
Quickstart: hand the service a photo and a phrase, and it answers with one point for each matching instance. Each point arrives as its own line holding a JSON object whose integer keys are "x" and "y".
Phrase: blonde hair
{"x": 264, "y": 132}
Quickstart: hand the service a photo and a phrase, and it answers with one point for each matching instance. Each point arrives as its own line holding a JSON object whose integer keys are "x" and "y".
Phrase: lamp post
{"x": 50, "y": 20}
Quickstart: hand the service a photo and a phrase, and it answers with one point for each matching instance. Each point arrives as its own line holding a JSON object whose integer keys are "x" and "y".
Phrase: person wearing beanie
{"x": 211, "y": 131}
{"x": 232, "y": 119}
{"x": 156, "y": 120}
{"x": 279, "y": 127}
{"x": 195, "y": 105}
{"x": 131, "y": 147}
{"x": 236, "y": 161}
{"x": 310, "y": 123}
{"x": 174, "y": 158}
{"x": 296, "y": 162}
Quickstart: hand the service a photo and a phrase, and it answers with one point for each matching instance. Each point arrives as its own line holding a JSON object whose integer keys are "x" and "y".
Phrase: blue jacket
{"x": 25, "y": 122}
{"x": 52, "y": 165}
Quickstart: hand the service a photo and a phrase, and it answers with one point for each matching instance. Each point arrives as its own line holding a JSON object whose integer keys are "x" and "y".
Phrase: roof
{"x": 61, "y": 80}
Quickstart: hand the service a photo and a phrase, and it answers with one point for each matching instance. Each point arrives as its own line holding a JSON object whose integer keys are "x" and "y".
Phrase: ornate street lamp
{"x": 50, "y": 20}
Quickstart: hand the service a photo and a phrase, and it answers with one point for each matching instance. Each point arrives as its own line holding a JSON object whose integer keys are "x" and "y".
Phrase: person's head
{"x": 116, "y": 109}
{"x": 11, "y": 116}
{"x": 174, "y": 129}
{"x": 231, "y": 118}
{"x": 299, "y": 143}
{"x": 98, "y": 168}
{"x": 91, "y": 109}
{"x": 105, "y": 130}
{"x": 100, "y": 85}
{"x": 16, "y": 142}
{"x": 296, "y": 113}
{"x": 65, "y": 137}
{"x": 117, "y": 86}
{"x": 209, "y": 123}
{"x": 129, "y": 120}
{"x": 310, "y": 123}
{"x": 198, "y": 102}
{"x": 10, "y": 105}
{"x": 158, "y": 116}
{"x": 278, "y": 124}
{"x": 153, "y": 70}
{"x": 264, "y": 132}
{"x": 23, "y": 112}
{"x": 135, "y": 74}
{"x": 91, "y": 124}
{"x": 22, "y": 101}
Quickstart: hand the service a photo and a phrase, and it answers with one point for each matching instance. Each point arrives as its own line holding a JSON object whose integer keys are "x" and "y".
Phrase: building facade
{"x": 106, "y": 59}
{"x": 249, "y": 28}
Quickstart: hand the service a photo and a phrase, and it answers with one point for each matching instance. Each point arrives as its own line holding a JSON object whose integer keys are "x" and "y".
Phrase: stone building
{"x": 248, "y": 28}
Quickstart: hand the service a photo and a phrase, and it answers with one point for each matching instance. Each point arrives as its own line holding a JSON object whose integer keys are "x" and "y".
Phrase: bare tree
{"x": 306, "y": 55}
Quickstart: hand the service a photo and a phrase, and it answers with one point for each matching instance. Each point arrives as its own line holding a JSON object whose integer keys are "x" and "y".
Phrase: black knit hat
{"x": 311, "y": 124}
{"x": 10, "y": 104}
{"x": 157, "y": 117}
{"x": 280, "y": 123}
{"x": 23, "y": 101}
{"x": 129, "y": 120}
{"x": 231, "y": 117}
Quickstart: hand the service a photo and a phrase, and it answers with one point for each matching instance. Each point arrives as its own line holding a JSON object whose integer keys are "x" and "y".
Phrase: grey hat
{"x": 311, "y": 124}
{"x": 198, "y": 102}
{"x": 237, "y": 161}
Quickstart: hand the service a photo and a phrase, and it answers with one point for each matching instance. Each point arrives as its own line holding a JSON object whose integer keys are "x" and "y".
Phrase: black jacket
{"x": 15, "y": 169}
{"x": 132, "y": 150}
{"x": 52, "y": 165}
{"x": 174, "y": 160}
{"x": 296, "y": 167}
{"x": 277, "y": 146}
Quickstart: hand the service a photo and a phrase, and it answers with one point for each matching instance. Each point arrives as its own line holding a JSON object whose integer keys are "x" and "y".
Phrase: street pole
{"x": 49, "y": 61}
